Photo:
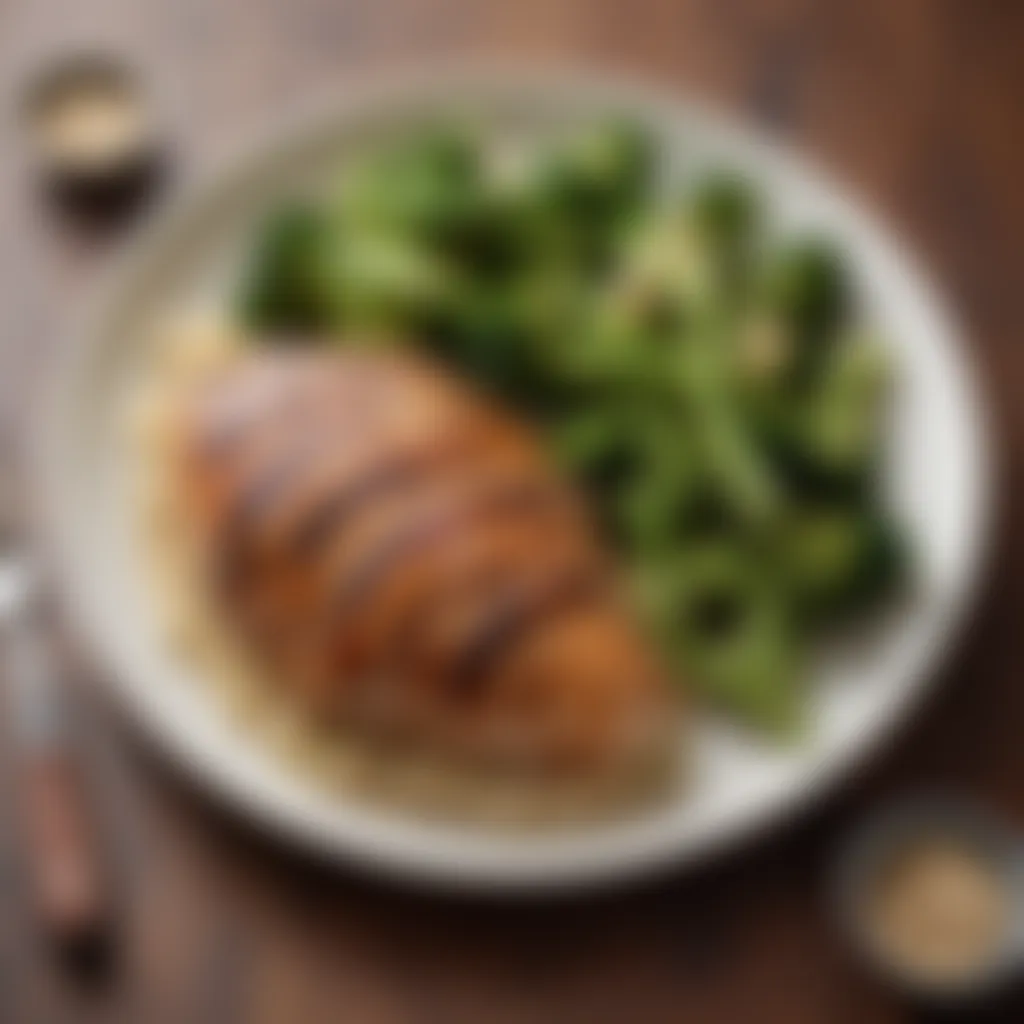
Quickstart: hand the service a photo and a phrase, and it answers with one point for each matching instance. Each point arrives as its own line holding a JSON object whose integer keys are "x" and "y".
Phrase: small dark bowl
{"x": 879, "y": 839}
{"x": 92, "y": 190}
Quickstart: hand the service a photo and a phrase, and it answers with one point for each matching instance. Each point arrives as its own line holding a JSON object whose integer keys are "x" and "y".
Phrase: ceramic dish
{"x": 953, "y": 825}
{"x": 936, "y": 478}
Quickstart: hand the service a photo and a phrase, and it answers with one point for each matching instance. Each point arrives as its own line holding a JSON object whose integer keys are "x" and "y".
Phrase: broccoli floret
{"x": 288, "y": 285}
{"x": 426, "y": 188}
{"x": 840, "y": 561}
{"x": 725, "y": 212}
{"x": 595, "y": 177}
{"x": 805, "y": 284}
{"x": 731, "y": 630}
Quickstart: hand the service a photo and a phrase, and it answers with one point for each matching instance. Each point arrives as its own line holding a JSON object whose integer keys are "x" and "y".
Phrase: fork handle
{"x": 61, "y": 848}
{"x": 62, "y": 857}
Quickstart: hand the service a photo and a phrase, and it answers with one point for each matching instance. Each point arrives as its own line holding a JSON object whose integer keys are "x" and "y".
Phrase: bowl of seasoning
{"x": 932, "y": 892}
{"x": 93, "y": 133}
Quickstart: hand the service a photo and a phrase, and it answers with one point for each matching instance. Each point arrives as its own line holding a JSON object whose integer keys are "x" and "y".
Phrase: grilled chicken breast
{"x": 402, "y": 554}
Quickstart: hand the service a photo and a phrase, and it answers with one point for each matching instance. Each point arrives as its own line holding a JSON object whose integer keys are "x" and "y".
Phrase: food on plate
{"x": 707, "y": 380}
{"x": 403, "y": 554}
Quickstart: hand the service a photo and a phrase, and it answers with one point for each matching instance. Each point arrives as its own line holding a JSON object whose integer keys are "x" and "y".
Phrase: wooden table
{"x": 918, "y": 105}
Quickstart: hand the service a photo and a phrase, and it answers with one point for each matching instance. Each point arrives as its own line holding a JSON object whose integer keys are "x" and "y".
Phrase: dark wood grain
{"x": 919, "y": 106}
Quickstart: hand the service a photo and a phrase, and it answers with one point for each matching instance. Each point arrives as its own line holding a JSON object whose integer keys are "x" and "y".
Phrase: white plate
{"x": 938, "y": 478}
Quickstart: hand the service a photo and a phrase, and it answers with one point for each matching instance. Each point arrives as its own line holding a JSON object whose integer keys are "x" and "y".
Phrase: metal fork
{"x": 60, "y": 849}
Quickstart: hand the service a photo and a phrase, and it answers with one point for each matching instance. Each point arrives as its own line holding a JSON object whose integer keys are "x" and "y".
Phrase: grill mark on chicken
{"x": 270, "y": 481}
{"x": 404, "y": 471}
{"x": 273, "y": 477}
{"x": 329, "y": 515}
{"x": 247, "y": 480}
{"x": 476, "y": 561}
{"x": 514, "y": 496}
{"x": 332, "y": 510}
{"x": 275, "y": 590}
{"x": 334, "y": 482}
{"x": 509, "y": 617}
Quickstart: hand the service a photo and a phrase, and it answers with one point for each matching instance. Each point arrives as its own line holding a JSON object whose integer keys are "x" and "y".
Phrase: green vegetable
{"x": 287, "y": 284}
{"x": 726, "y": 217}
{"x": 725, "y": 211}
{"x": 598, "y": 172}
{"x": 381, "y": 282}
{"x": 734, "y": 636}
{"x": 609, "y": 454}
{"x": 840, "y": 561}
{"x": 805, "y": 286}
{"x": 426, "y": 187}
{"x": 825, "y": 440}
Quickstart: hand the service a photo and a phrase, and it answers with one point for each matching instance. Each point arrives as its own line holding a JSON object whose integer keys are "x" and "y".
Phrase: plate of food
{"x": 515, "y": 480}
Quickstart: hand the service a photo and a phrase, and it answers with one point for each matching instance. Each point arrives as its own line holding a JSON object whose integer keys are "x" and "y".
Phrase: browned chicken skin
{"x": 401, "y": 552}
